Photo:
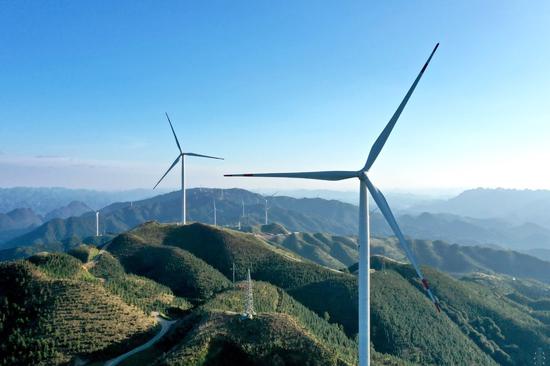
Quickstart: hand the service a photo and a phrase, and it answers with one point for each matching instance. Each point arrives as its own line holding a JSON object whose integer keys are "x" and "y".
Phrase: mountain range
{"x": 513, "y": 205}
{"x": 46, "y": 199}
{"x": 311, "y": 215}
{"x": 340, "y": 252}
{"x": 22, "y": 220}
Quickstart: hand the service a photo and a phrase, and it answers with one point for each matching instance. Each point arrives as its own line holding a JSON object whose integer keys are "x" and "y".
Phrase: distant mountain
{"x": 18, "y": 222}
{"x": 75, "y": 208}
{"x": 340, "y": 252}
{"x": 460, "y": 260}
{"x": 312, "y": 215}
{"x": 307, "y": 214}
{"x": 23, "y": 220}
{"x": 44, "y": 200}
{"x": 398, "y": 200}
{"x": 467, "y": 231}
{"x": 517, "y": 206}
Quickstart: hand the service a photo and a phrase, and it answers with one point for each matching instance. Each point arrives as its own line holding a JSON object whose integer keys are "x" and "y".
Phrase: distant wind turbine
{"x": 364, "y": 239}
{"x": 182, "y": 156}
{"x": 268, "y": 207}
{"x": 97, "y": 223}
{"x": 215, "y": 211}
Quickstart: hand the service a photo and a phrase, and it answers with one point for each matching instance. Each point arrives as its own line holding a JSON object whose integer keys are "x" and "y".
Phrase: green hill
{"x": 139, "y": 291}
{"x": 220, "y": 248}
{"x": 473, "y": 314}
{"x": 93, "y": 303}
{"x": 181, "y": 271}
{"x": 328, "y": 250}
{"x": 271, "y": 299}
{"x": 51, "y": 313}
{"x": 220, "y": 338}
{"x": 404, "y": 323}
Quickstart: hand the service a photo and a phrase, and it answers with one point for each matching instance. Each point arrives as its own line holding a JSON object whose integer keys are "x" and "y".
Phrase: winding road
{"x": 165, "y": 324}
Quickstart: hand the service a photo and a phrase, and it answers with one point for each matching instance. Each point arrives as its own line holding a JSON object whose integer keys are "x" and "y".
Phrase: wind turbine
{"x": 268, "y": 207}
{"x": 215, "y": 211}
{"x": 182, "y": 156}
{"x": 97, "y": 223}
{"x": 364, "y": 233}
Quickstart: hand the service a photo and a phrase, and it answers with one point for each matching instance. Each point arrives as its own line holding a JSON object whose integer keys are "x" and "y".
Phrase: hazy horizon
{"x": 435, "y": 192}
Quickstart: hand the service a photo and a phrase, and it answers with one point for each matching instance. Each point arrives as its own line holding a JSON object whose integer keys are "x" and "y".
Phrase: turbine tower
{"x": 215, "y": 213}
{"x": 182, "y": 156}
{"x": 364, "y": 240}
{"x": 268, "y": 207}
{"x": 97, "y": 223}
{"x": 249, "y": 298}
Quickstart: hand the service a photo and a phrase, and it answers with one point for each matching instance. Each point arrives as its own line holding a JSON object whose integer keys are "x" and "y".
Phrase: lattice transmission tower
{"x": 540, "y": 357}
{"x": 249, "y": 298}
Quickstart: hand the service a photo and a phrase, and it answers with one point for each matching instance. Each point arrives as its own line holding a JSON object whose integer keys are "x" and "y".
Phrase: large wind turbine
{"x": 364, "y": 240}
{"x": 181, "y": 156}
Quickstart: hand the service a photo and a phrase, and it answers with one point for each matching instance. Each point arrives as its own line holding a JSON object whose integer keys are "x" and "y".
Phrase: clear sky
{"x": 274, "y": 86}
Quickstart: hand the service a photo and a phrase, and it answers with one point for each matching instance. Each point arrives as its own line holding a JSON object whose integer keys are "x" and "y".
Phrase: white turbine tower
{"x": 364, "y": 240}
{"x": 267, "y": 207}
{"x": 97, "y": 223}
{"x": 182, "y": 156}
{"x": 215, "y": 211}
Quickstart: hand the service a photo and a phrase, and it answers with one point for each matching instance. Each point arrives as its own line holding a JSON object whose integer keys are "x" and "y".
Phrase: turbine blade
{"x": 174, "y": 132}
{"x": 381, "y": 140}
{"x": 171, "y": 166}
{"x": 202, "y": 156}
{"x": 328, "y": 175}
{"x": 388, "y": 215}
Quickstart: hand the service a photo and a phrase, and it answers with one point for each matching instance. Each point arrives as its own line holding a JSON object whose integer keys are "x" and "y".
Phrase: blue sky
{"x": 274, "y": 86}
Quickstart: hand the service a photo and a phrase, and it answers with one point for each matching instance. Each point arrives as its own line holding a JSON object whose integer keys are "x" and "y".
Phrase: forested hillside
{"x": 100, "y": 301}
